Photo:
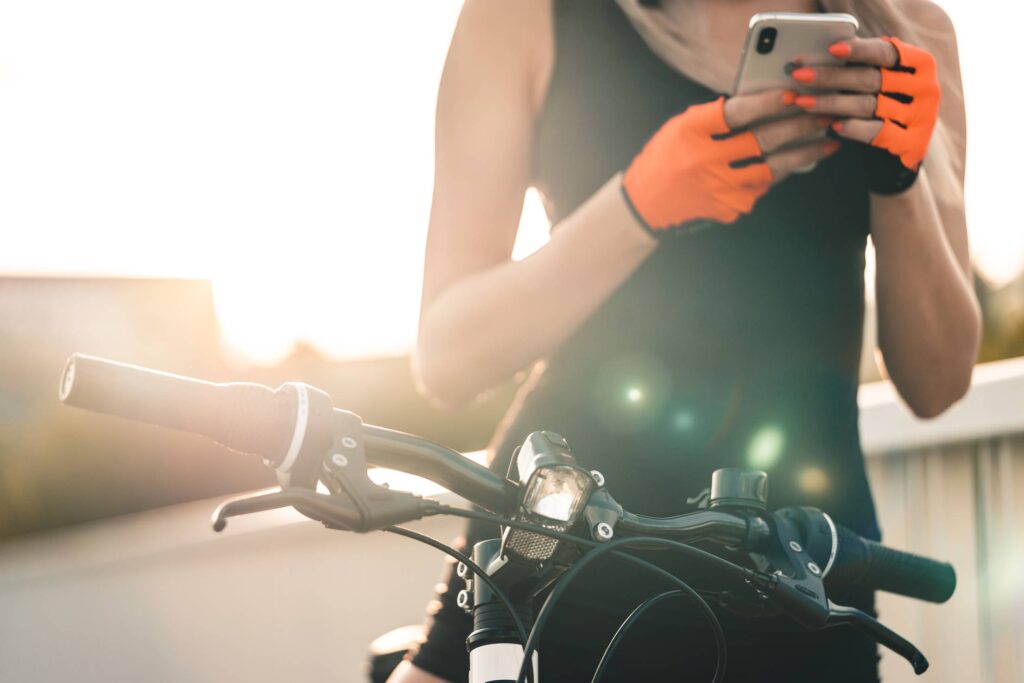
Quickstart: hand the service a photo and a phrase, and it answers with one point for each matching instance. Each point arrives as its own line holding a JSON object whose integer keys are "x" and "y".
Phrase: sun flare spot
{"x": 813, "y": 480}
{"x": 766, "y": 447}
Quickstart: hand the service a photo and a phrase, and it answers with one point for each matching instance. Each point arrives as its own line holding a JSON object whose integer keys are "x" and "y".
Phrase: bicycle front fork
{"x": 495, "y": 647}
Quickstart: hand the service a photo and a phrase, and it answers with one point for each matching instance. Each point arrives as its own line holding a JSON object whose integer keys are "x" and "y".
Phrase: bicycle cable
{"x": 477, "y": 570}
{"x": 735, "y": 571}
{"x": 572, "y": 572}
{"x": 624, "y": 627}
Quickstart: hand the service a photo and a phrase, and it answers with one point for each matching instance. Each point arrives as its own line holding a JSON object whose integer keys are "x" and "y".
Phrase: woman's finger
{"x": 860, "y": 106}
{"x": 785, "y": 162}
{"x": 756, "y": 175}
{"x": 743, "y": 110}
{"x": 853, "y": 78}
{"x": 861, "y": 130}
{"x": 873, "y": 51}
{"x": 776, "y": 134}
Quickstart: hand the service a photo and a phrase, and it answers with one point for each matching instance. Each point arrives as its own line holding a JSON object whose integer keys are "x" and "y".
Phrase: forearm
{"x": 487, "y": 326}
{"x": 929, "y": 324}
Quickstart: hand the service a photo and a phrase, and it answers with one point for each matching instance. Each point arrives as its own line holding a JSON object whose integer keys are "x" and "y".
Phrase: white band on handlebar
{"x": 835, "y": 545}
{"x": 301, "y": 419}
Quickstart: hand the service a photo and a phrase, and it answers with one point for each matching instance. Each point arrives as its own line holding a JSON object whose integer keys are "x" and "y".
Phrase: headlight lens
{"x": 557, "y": 493}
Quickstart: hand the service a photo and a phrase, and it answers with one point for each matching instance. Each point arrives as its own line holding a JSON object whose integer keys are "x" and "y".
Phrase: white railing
{"x": 953, "y": 488}
{"x": 158, "y": 597}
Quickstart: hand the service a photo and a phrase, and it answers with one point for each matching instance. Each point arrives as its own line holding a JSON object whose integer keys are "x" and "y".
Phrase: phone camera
{"x": 766, "y": 40}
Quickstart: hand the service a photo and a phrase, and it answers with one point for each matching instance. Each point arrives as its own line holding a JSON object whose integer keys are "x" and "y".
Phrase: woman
{"x": 667, "y": 352}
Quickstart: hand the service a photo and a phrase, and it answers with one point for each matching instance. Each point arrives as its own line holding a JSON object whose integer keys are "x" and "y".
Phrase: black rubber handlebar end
{"x": 870, "y": 564}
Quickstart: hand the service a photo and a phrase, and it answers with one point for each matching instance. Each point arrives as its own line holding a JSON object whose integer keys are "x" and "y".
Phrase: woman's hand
{"x": 715, "y": 160}
{"x": 891, "y": 98}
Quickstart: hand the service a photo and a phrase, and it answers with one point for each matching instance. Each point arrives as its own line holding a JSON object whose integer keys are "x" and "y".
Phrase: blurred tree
{"x": 1002, "y": 309}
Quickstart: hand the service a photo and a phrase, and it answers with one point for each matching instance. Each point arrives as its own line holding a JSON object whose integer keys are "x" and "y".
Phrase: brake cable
{"x": 477, "y": 571}
{"x": 624, "y": 627}
{"x": 566, "y": 579}
{"x": 736, "y": 571}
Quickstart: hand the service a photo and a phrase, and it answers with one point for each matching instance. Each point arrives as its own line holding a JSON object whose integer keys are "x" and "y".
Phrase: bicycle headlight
{"x": 557, "y": 493}
{"x": 554, "y": 492}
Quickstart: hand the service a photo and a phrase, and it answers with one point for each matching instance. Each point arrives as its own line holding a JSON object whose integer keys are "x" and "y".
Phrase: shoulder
{"x": 926, "y": 11}
{"x": 507, "y": 39}
{"x": 927, "y": 15}
{"x": 509, "y": 31}
{"x": 935, "y": 31}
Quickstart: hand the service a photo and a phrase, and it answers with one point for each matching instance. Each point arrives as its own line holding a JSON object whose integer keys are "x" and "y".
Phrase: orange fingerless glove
{"x": 908, "y": 104}
{"x": 685, "y": 172}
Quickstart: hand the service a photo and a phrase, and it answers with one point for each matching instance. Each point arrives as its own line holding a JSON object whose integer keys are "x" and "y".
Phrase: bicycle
{"x": 555, "y": 516}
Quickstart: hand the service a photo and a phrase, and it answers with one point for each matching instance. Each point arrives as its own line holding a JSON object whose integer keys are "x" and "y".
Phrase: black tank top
{"x": 736, "y": 346}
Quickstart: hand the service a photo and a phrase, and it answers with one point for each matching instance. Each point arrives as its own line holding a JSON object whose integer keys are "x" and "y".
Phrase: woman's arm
{"x": 929, "y": 322}
{"x": 484, "y": 316}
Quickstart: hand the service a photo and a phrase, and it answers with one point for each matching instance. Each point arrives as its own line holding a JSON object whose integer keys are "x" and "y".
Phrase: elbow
{"x": 944, "y": 373}
{"x": 939, "y": 397}
{"x": 946, "y": 387}
{"x": 437, "y": 378}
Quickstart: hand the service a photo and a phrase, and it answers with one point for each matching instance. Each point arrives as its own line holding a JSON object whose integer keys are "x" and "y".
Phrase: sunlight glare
{"x": 285, "y": 151}
{"x": 766, "y": 447}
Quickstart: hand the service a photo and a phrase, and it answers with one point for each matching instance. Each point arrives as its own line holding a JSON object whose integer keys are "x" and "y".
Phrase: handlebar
{"x": 245, "y": 417}
{"x": 255, "y": 419}
{"x": 452, "y": 470}
{"x": 867, "y": 563}
{"x": 720, "y": 527}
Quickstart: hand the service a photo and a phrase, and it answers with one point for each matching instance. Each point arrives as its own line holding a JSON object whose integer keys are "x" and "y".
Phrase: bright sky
{"x": 285, "y": 151}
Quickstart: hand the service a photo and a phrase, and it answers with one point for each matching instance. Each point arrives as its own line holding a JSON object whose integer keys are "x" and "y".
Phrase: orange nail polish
{"x": 788, "y": 97}
{"x": 838, "y": 126}
{"x": 841, "y": 49}
{"x": 804, "y": 74}
{"x": 806, "y": 101}
{"x": 831, "y": 146}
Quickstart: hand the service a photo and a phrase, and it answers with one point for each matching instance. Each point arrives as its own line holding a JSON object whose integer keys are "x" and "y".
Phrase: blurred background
{"x": 209, "y": 188}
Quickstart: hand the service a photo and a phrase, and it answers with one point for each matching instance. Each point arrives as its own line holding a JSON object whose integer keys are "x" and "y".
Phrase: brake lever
{"x": 796, "y": 585}
{"x": 331, "y": 510}
{"x": 882, "y": 634}
{"x": 335, "y": 511}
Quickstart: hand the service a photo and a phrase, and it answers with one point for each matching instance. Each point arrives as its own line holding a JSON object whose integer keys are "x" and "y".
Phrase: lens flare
{"x": 813, "y": 481}
{"x": 629, "y": 392}
{"x": 684, "y": 421}
{"x": 766, "y": 447}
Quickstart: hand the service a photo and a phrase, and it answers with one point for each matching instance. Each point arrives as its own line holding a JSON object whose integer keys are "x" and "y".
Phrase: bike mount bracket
{"x": 355, "y": 502}
{"x": 795, "y": 582}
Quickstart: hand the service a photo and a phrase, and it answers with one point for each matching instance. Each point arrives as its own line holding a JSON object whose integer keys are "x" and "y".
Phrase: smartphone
{"x": 779, "y": 42}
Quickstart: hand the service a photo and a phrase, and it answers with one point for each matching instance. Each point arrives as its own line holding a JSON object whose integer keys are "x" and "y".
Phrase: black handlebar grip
{"x": 861, "y": 561}
{"x": 245, "y": 417}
